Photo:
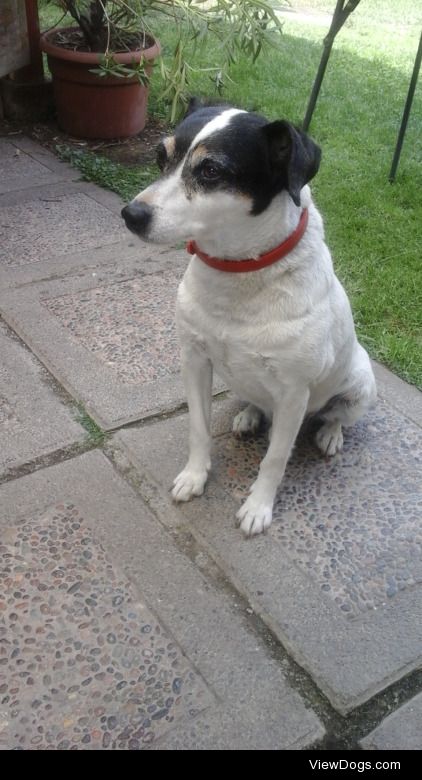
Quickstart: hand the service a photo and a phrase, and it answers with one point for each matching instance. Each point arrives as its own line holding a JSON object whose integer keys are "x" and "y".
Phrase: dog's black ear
{"x": 194, "y": 104}
{"x": 293, "y": 155}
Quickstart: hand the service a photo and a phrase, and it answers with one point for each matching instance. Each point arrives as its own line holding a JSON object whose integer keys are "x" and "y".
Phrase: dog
{"x": 259, "y": 300}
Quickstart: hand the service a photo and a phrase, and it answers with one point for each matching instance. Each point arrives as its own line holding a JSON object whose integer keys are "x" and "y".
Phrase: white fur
{"x": 218, "y": 123}
{"x": 282, "y": 338}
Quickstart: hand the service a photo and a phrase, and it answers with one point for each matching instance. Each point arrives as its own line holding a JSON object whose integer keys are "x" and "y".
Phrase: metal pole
{"x": 406, "y": 111}
{"x": 328, "y": 45}
{"x": 342, "y": 11}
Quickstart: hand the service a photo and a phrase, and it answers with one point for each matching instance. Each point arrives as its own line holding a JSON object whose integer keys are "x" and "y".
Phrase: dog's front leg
{"x": 255, "y": 515}
{"x": 197, "y": 378}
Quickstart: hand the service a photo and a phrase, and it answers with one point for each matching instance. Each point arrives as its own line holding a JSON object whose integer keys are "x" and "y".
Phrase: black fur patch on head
{"x": 249, "y": 156}
{"x": 196, "y": 118}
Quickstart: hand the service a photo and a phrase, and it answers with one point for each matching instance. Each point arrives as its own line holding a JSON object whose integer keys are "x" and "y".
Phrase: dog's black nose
{"x": 137, "y": 216}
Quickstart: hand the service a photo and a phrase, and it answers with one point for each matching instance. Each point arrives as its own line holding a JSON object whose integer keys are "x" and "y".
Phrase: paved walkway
{"x": 129, "y": 623}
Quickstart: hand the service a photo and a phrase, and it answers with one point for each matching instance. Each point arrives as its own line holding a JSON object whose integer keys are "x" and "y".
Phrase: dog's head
{"x": 221, "y": 165}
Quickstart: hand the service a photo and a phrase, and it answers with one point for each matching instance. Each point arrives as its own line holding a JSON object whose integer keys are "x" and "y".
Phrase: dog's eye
{"x": 210, "y": 171}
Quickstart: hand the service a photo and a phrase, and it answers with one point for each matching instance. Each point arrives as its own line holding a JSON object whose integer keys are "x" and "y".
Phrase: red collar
{"x": 242, "y": 266}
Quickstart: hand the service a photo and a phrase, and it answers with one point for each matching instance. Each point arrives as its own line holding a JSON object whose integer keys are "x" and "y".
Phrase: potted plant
{"x": 101, "y": 66}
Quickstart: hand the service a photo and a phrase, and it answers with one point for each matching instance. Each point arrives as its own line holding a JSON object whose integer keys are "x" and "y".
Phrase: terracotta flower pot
{"x": 92, "y": 106}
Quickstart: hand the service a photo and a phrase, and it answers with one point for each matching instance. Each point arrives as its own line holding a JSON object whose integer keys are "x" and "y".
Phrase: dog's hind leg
{"x": 197, "y": 378}
{"x": 348, "y": 406}
{"x": 247, "y": 421}
{"x": 329, "y": 438}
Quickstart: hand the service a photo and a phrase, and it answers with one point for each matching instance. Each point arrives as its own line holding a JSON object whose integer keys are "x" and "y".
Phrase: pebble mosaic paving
{"x": 129, "y": 326}
{"x": 338, "y": 575}
{"x": 108, "y": 336}
{"x": 83, "y": 662}
{"x": 352, "y": 522}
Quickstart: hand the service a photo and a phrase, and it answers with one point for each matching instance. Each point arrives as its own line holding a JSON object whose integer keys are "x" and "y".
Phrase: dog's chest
{"x": 246, "y": 342}
{"x": 245, "y": 368}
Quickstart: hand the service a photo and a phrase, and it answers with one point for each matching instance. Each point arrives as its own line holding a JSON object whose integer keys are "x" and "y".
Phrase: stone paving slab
{"x": 33, "y": 421}
{"x": 400, "y": 731}
{"x": 108, "y": 336}
{"x": 59, "y": 189}
{"x": 117, "y": 255}
{"x": 55, "y": 225}
{"x": 404, "y": 397}
{"x": 338, "y": 576}
{"x": 124, "y": 254}
{"x": 24, "y": 164}
{"x": 113, "y": 639}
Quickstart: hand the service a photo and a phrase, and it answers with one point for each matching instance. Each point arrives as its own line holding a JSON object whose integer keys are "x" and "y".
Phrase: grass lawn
{"x": 373, "y": 227}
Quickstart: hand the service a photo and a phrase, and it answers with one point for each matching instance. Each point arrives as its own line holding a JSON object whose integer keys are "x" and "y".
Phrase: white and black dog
{"x": 259, "y": 300}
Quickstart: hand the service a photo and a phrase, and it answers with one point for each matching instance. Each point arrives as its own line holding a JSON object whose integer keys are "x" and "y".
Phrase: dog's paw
{"x": 189, "y": 483}
{"x": 247, "y": 421}
{"x": 254, "y": 517}
{"x": 329, "y": 438}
